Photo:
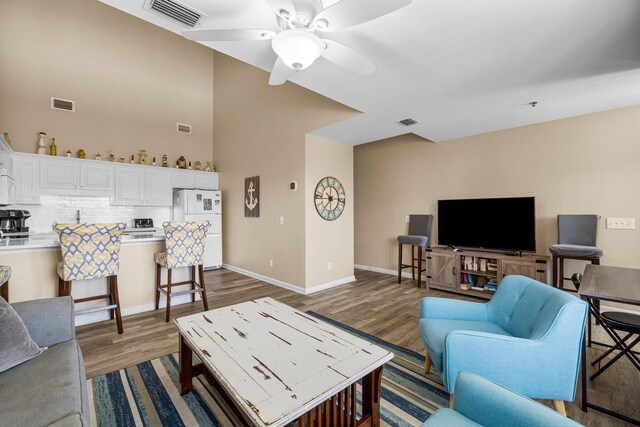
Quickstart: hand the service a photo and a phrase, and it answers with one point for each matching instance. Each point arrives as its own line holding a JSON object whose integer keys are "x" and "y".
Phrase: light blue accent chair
{"x": 527, "y": 338}
{"x": 480, "y": 402}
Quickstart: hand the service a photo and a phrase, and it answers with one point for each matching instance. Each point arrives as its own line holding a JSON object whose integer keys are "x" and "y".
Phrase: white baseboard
{"x": 329, "y": 285}
{"x": 99, "y": 316}
{"x": 405, "y": 274}
{"x": 290, "y": 286}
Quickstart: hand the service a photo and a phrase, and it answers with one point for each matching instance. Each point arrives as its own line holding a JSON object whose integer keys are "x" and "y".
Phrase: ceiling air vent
{"x": 174, "y": 10}
{"x": 63, "y": 104}
{"x": 182, "y": 128}
{"x": 407, "y": 122}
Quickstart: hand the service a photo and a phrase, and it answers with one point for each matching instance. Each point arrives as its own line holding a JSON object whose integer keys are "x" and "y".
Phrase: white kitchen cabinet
{"x": 158, "y": 187}
{"x": 26, "y": 173}
{"x": 206, "y": 180}
{"x": 96, "y": 176}
{"x": 58, "y": 174}
{"x": 130, "y": 186}
{"x": 183, "y": 179}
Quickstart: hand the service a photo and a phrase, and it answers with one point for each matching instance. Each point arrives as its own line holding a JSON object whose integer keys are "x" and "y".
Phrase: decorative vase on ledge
{"x": 41, "y": 143}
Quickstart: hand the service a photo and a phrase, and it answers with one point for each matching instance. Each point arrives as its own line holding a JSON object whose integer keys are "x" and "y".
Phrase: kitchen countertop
{"x": 50, "y": 241}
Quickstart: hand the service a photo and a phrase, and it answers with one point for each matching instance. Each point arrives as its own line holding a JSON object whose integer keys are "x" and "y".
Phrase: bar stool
{"x": 576, "y": 240}
{"x": 185, "y": 247}
{"x": 419, "y": 236}
{"x": 5, "y": 275}
{"x": 91, "y": 251}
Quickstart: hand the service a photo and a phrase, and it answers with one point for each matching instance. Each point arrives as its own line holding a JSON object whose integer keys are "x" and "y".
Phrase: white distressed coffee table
{"x": 277, "y": 365}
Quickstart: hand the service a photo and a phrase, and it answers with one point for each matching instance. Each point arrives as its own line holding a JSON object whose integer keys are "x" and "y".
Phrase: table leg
{"x": 583, "y": 363}
{"x": 186, "y": 360}
{"x": 371, "y": 398}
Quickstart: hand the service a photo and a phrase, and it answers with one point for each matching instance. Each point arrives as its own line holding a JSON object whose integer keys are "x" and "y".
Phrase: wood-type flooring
{"x": 375, "y": 304}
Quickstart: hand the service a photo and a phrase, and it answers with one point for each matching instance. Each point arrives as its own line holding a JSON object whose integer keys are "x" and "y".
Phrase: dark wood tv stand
{"x": 457, "y": 271}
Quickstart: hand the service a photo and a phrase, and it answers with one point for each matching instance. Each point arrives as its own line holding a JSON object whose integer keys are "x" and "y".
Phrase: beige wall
{"x": 328, "y": 241}
{"x": 260, "y": 130}
{"x": 587, "y": 164}
{"x": 131, "y": 81}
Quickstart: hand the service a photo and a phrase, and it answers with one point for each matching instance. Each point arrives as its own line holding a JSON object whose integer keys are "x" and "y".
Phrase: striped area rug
{"x": 148, "y": 394}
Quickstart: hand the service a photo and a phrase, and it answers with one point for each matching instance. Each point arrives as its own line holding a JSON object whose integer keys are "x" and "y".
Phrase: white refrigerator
{"x": 202, "y": 205}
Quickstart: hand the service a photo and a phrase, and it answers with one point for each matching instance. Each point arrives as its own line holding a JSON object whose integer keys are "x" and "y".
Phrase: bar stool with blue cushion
{"x": 91, "y": 251}
{"x": 527, "y": 338}
{"x": 419, "y": 237}
{"x": 5, "y": 275}
{"x": 480, "y": 402}
{"x": 577, "y": 236}
{"x": 185, "y": 242}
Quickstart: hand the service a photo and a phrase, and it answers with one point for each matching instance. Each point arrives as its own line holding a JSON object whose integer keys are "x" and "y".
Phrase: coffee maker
{"x": 13, "y": 223}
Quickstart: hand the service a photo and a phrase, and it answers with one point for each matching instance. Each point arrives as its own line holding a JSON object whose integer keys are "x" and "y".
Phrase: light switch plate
{"x": 406, "y": 219}
{"x": 621, "y": 223}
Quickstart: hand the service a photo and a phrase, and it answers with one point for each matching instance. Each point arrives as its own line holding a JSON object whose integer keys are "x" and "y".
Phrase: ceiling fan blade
{"x": 347, "y": 13}
{"x": 280, "y": 73}
{"x": 348, "y": 58}
{"x": 279, "y": 5}
{"x": 222, "y": 35}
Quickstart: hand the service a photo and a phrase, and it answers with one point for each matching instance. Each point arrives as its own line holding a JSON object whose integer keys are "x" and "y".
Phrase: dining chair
{"x": 616, "y": 321}
{"x": 185, "y": 244}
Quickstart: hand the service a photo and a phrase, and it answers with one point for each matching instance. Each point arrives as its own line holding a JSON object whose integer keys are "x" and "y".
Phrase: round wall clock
{"x": 329, "y": 198}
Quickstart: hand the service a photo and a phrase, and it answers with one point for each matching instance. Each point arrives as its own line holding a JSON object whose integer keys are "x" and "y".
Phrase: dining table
{"x": 607, "y": 284}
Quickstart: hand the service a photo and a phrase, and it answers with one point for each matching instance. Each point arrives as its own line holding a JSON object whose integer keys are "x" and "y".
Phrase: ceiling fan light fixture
{"x": 322, "y": 24}
{"x": 298, "y": 49}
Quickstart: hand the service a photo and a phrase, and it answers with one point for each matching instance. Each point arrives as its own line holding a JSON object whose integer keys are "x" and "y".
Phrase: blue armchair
{"x": 527, "y": 338}
{"x": 482, "y": 402}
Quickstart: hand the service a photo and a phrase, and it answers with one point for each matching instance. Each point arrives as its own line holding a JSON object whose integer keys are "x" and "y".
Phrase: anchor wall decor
{"x": 252, "y": 197}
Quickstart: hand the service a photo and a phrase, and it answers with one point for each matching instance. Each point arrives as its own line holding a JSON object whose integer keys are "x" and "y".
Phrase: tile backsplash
{"x": 62, "y": 209}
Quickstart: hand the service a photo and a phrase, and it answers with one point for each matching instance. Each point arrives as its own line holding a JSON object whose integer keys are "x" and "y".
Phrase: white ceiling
{"x": 458, "y": 67}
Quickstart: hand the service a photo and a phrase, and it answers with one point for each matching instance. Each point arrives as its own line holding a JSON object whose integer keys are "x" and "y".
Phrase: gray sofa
{"x": 50, "y": 389}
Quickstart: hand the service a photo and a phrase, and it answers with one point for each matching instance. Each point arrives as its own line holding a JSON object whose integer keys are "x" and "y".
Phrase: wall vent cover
{"x": 174, "y": 10}
{"x": 63, "y": 104}
{"x": 407, "y": 122}
{"x": 182, "y": 128}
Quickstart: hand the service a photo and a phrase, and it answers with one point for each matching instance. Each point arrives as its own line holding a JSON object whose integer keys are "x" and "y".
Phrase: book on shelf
{"x": 477, "y": 288}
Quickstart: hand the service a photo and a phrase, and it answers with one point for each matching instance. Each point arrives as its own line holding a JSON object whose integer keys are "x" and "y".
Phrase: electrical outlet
{"x": 621, "y": 223}
{"x": 406, "y": 219}
{"x": 270, "y": 263}
{"x": 329, "y": 266}
{"x": 281, "y": 220}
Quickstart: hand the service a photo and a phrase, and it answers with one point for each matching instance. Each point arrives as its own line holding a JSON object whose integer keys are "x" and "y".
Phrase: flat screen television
{"x": 507, "y": 224}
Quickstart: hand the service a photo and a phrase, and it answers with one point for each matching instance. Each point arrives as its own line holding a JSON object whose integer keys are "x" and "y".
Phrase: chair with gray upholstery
{"x": 419, "y": 237}
{"x": 576, "y": 240}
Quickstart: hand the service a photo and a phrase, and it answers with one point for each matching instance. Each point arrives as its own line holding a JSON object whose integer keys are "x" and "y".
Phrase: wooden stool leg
{"x": 114, "y": 280}
{"x": 419, "y": 266}
{"x": 193, "y": 282}
{"x": 204, "y": 290}
{"x": 561, "y": 278}
{"x": 112, "y": 312}
{"x": 451, "y": 401}
{"x": 168, "y": 310}
{"x": 399, "y": 262}
{"x": 4, "y": 290}
{"x": 158, "y": 284}
{"x": 413, "y": 262}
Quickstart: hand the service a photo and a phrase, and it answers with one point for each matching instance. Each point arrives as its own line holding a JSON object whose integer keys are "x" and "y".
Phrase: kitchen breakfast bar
{"x": 33, "y": 263}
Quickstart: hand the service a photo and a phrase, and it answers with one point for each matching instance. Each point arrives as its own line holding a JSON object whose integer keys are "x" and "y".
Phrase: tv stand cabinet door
{"x": 442, "y": 270}
{"x": 532, "y": 269}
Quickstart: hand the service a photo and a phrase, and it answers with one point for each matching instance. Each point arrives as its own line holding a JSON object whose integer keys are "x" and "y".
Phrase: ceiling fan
{"x": 297, "y": 44}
